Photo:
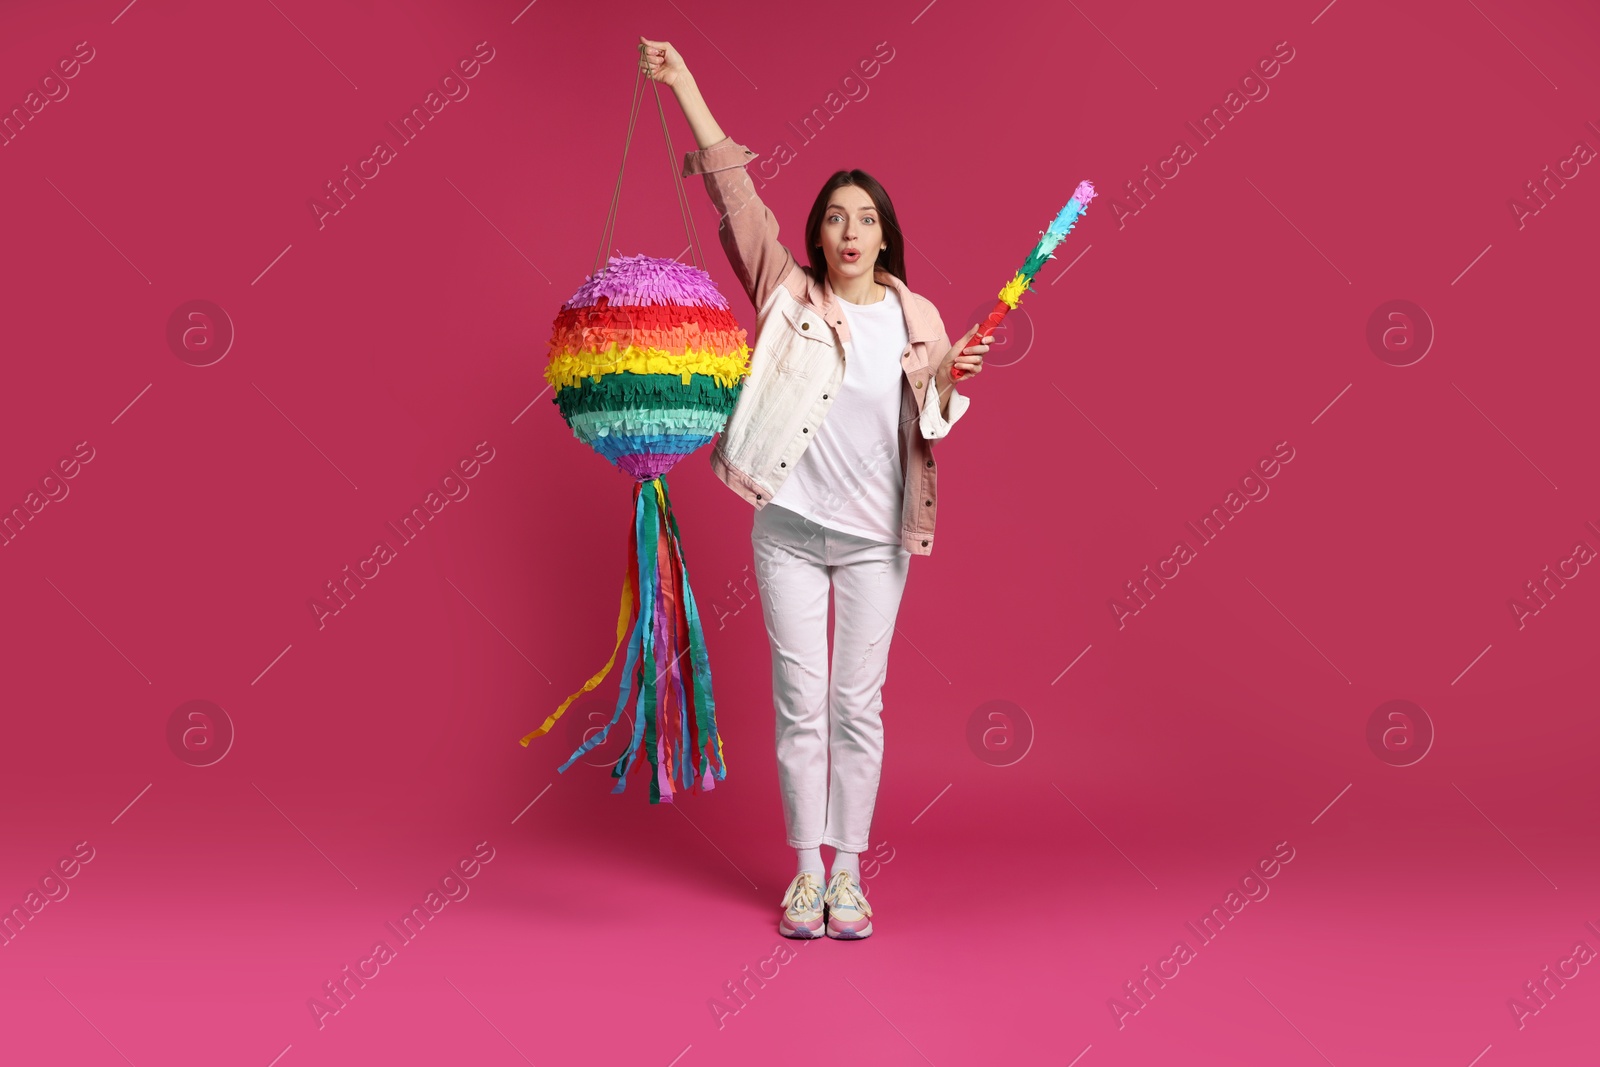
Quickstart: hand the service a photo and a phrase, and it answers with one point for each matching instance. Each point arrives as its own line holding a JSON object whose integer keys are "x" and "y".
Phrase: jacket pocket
{"x": 804, "y": 332}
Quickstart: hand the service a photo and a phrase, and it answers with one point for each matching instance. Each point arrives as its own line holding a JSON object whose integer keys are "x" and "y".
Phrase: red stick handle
{"x": 987, "y": 326}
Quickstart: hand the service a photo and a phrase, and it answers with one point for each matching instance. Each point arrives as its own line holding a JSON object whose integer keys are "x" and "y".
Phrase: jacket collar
{"x": 918, "y": 327}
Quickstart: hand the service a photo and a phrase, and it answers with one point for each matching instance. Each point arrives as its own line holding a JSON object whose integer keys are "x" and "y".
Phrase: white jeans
{"x": 823, "y": 713}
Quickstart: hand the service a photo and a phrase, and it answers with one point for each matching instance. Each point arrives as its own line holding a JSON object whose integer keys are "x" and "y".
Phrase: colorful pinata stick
{"x": 1011, "y": 295}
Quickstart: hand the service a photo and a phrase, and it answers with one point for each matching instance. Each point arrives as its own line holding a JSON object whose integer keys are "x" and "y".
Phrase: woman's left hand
{"x": 963, "y": 354}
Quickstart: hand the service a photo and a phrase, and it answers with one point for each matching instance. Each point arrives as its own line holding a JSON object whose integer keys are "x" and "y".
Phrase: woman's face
{"x": 851, "y": 224}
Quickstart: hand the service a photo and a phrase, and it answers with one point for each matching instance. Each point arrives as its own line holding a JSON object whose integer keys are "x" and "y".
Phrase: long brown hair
{"x": 893, "y": 256}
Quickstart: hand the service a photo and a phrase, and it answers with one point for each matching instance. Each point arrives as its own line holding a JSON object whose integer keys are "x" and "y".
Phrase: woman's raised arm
{"x": 661, "y": 62}
{"x": 747, "y": 229}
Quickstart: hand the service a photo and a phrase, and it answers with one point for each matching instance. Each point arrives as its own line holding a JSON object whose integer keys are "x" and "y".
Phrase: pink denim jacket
{"x": 797, "y": 359}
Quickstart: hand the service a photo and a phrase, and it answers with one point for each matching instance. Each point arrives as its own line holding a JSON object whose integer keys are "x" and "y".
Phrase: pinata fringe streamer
{"x": 674, "y": 724}
{"x": 645, "y": 390}
{"x": 568, "y": 369}
{"x": 1011, "y": 295}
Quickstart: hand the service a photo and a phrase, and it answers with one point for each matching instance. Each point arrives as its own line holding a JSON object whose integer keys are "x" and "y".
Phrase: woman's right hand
{"x": 661, "y": 62}
{"x": 965, "y": 356}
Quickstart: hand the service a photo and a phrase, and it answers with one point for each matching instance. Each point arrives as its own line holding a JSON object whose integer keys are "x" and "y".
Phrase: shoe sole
{"x": 850, "y": 934}
{"x": 799, "y": 933}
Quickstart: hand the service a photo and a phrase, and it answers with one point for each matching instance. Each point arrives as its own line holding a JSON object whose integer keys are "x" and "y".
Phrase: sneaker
{"x": 849, "y": 914}
{"x": 802, "y": 907}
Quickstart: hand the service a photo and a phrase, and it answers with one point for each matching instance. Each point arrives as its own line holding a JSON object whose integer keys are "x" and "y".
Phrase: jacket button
{"x": 919, "y": 384}
{"x": 783, "y": 464}
{"x": 924, "y": 544}
{"x": 758, "y": 496}
{"x": 824, "y": 396}
{"x": 805, "y": 326}
{"x": 930, "y": 462}
{"x": 804, "y": 430}
{"x": 929, "y": 503}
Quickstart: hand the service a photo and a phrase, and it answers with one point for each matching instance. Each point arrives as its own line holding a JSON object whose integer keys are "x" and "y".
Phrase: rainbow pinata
{"x": 647, "y": 362}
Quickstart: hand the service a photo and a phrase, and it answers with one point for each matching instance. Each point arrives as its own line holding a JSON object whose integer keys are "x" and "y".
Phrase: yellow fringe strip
{"x": 565, "y": 369}
{"x": 622, "y": 631}
{"x": 1012, "y": 293}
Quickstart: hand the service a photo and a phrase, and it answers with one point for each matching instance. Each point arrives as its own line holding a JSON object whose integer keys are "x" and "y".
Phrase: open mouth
{"x": 850, "y": 255}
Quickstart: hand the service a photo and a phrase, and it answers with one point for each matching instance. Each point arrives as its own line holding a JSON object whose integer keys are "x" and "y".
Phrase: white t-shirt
{"x": 850, "y": 477}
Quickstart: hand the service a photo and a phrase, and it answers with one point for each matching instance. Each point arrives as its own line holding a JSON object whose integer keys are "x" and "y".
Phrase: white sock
{"x": 810, "y": 860}
{"x": 846, "y": 861}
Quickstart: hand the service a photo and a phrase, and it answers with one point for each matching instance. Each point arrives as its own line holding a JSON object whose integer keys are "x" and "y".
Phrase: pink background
{"x": 1015, "y": 896}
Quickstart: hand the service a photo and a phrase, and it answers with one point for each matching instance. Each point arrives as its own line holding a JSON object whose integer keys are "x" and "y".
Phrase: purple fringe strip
{"x": 644, "y": 280}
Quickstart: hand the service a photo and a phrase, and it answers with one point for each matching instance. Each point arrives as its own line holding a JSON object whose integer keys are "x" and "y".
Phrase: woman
{"x": 830, "y": 440}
